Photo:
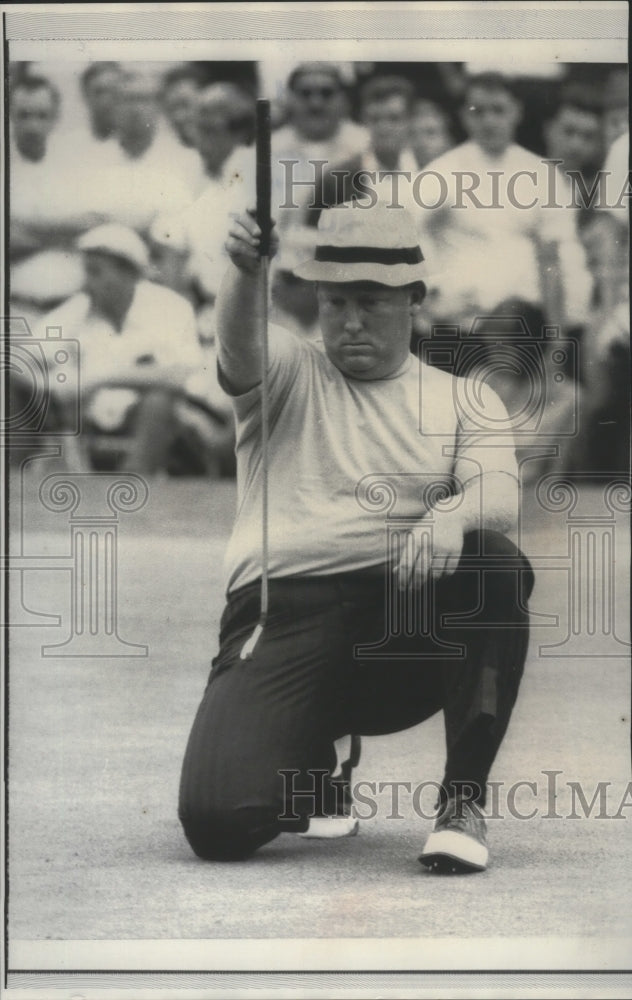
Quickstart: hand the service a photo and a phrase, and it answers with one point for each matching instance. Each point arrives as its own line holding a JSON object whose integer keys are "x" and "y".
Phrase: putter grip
{"x": 264, "y": 180}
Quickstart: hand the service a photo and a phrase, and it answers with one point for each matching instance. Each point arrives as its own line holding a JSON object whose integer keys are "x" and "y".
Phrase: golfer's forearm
{"x": 239, "y": 328}
{"x": 490, "y": 501}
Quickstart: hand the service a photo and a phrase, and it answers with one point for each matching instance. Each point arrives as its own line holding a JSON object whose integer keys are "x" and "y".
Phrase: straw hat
{"x": 362, "y": 242}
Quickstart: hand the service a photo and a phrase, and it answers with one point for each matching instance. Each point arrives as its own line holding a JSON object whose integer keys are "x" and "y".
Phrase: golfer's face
{"x": 365, "y": 326}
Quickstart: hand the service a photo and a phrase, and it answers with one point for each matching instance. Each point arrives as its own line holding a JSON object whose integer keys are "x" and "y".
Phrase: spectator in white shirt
{"x": 47, "y": 208}
{"x": 179, "y": 95}
{"x": 319, "y": 129}
{"x": 573, "y": 133}
{"x": 93, "y": 150}
{"x": 191, "y": 241}
{"x": 491, "y": 226}
{"x": 134, "y": 335}
{"x": 386, "y": 103}
{"x": 616, "y": 104}
{"x": 430, "y": 132}
{"x": 151, "y": 171}
{"x": 100, "y": 84}
{"x": 224, "y": 121}
{"x": 318, "y": 110}
{"x": 189, "y": 245}
{"x": 34, "y": 111}
{"x": 617, "y": 182}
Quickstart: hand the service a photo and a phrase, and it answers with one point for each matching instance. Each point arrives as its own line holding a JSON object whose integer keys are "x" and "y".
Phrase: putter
{"x": 264, "y": 221}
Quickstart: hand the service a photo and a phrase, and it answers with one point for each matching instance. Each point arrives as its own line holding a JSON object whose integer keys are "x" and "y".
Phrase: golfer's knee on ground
{"x": 229, "y": 834}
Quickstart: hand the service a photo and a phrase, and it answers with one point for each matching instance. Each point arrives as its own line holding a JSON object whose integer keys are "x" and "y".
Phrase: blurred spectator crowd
{"x": 119, "y": 215}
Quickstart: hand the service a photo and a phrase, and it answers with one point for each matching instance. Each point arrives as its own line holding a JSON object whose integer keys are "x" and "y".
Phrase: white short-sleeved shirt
{"x": 333, "y": 439}
{"x": 159, "y": 322}
{"x": 134, "y": 190}
{"x": 484, "y": 255}
{"x": 616, "y": 169}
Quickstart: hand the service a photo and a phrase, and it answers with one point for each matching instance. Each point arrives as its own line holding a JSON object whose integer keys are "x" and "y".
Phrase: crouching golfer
{"x": 393, "y": 590}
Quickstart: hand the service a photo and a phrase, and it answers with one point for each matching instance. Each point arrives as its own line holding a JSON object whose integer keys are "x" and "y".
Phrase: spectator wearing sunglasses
{"x": 319, "y": 129}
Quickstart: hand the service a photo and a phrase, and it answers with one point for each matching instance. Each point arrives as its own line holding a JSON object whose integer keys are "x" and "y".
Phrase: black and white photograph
{"x": 316, "y": 464}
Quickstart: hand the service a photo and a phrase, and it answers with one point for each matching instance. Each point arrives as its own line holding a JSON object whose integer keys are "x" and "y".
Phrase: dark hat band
{"x": 369, "y": 255}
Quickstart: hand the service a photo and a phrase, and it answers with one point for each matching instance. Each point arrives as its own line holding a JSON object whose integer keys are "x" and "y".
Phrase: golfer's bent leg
{"x": 485, "y": 609}
{"x": 263, "y": 734}
{"x": 220, "y": 824}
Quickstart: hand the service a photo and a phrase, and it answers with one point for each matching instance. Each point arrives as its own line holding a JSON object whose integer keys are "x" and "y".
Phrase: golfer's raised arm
{"x": 239, "y": 308}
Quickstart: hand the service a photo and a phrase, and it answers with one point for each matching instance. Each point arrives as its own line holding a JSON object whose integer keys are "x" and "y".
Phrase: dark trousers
{"x": 346, "y": 654}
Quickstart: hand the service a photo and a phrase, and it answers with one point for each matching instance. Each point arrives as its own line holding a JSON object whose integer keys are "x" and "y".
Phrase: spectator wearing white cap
{"x": 132, "y": 333}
